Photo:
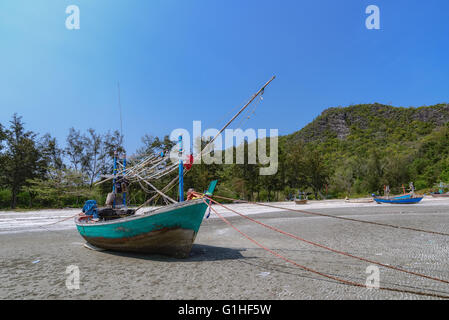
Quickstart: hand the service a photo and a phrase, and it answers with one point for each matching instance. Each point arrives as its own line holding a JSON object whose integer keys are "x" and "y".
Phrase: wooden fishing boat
{"x": 404, "y": 199}
{"x": 347, "y": 200}
{"x": 170, "y": 230}
{"x": 302, "y": 197}
{"x": 440, "y": 195}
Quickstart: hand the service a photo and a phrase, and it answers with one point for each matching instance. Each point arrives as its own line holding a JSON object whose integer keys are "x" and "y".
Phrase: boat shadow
{"x": 198, "y": 253}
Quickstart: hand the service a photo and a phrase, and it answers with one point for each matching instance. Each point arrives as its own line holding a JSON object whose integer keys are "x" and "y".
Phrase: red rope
{"x": 282, "y": 257}
{"x": 330, "y": 249}
{"x": 336, "y": 217}
{"x": 351, "y": 283}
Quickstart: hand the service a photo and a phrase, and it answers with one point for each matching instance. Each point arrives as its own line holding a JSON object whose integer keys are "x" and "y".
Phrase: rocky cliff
{"x": 340, "y": 122}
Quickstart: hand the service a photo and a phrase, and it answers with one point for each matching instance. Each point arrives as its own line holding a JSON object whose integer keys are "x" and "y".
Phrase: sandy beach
{"x": 34, "y": 256}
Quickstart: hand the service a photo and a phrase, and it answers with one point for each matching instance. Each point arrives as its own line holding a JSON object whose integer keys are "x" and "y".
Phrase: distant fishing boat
{"x": 347, "y": 200}
{"x": 408, "y": 198}
{"x": 440, "y": 195}
{"x": 404, "y": 199}
{"x": 302, "y": 198}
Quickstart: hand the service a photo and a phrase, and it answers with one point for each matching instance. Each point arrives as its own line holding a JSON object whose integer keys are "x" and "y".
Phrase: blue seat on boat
{"x": 90, "y": 208}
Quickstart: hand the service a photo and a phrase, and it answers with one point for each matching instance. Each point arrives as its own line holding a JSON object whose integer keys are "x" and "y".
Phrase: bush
{"x": 420, "y": 184}
{"x": 289, "y": 193}
{"x": 5, "y": 198}
{"x": 23, "y": 199}
{"x": 263, "y": 195}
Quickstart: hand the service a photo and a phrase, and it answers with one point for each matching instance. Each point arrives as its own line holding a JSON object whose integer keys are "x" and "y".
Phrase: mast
{"x": 241, "y": 110}
{"x": 121, "y": 141}
{"x": 120, "y": 108}
{"x": 124, "y": 191}
{"x": 114, "y": 172}
{"x": 181, "y": 172}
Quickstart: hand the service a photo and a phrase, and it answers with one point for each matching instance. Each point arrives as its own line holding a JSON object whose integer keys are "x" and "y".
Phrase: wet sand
{"x": 225, "y": 265}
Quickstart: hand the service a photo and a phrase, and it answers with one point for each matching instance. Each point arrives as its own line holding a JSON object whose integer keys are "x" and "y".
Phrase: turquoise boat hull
{"x": 170, "y": 230}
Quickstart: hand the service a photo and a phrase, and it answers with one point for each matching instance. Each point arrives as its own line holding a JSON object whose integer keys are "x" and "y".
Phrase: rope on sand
{"x": 331, "y": 249}
{"x": 338, "y": 279}
{"x": 337, "y": 217}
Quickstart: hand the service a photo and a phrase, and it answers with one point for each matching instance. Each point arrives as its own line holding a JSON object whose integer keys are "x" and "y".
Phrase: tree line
{"x": 36, "y": 171}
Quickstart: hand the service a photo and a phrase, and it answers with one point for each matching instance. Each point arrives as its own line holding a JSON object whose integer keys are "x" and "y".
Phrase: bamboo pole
{"x": 155, "y": 189}
{"x": 216, "y": 136}
{"x": 238, "y": 113}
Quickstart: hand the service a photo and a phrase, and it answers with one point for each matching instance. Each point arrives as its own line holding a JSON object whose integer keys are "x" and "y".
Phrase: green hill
{"x": 367, "y": 146}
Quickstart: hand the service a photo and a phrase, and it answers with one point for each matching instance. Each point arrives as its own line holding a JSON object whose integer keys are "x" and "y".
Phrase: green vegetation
{"x": 351, "y": 151}
{"x": 368, "y": 146}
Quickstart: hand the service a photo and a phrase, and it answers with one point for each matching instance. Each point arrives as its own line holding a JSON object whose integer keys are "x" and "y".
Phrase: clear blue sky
{"x": 185, "y": 60}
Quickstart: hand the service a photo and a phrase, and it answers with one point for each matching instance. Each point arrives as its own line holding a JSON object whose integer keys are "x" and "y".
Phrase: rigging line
{"x": 164, "y": 173}
{"x": 154, "y": 165}
{"x": 142, "y": 162}
{"x": 49, "y": 224}
{"x": 167, "y": 188}
{"x": 238, "y": 113}
{"x": 337, "y": 217}
{"x": 249, "y": 113}
{"x": 351, "y": 283}
{"x": 128, "y": 171}
{"x": 219, "y": 121}
{"x": 155, "y": 174}
{"x": 120, "y": 107}
{"x": 141, "y": 166}
{"x": 159, "y": 192}
{"x": 262, "y": 90}
{"x": 56, "y": 231}
{"x": 328, "y": 248}
{"x": 145, "y": 189}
